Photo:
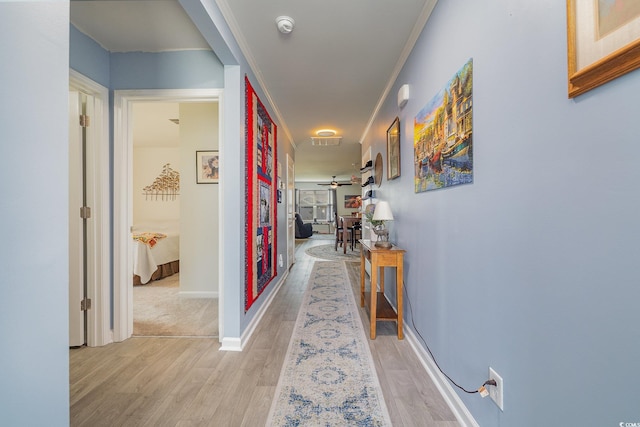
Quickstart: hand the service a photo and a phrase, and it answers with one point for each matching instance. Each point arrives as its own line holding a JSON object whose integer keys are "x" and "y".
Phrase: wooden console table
{"x": 379, "y": 306}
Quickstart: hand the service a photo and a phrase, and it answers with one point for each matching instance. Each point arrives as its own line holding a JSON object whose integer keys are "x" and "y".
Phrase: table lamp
{"x": 382, "y": 213}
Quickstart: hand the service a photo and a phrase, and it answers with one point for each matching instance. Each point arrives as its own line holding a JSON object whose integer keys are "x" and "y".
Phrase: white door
{"x": 77, "y": 251}
{"x": 291, "y": 217}
{"x": 89, "y": 278}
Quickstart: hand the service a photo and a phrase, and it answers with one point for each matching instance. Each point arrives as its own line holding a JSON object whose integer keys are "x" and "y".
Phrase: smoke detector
{"x": 285, "y": 24}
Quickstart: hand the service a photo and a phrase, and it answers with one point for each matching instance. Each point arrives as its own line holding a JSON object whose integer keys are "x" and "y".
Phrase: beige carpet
{"x": 158, "y": 310}
{"x": 318, "y": 236}
{"x": 329, "y": 252}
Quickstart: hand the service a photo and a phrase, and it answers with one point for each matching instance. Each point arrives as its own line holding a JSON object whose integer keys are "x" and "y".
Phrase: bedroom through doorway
{"x": 173, "y": 292}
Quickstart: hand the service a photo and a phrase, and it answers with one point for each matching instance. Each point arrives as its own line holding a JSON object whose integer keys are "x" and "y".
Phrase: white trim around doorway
{"x": 98, "y": 263}
{"x": 122, "y": 199}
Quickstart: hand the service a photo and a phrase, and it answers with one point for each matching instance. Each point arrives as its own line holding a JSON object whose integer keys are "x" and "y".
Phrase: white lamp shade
{"x": 382, "y": 212}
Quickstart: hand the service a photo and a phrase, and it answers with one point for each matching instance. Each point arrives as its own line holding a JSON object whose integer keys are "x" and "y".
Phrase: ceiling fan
{"x": 334, "y": 183}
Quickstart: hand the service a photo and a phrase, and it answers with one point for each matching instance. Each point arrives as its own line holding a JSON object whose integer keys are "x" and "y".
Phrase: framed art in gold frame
{"x": 602, "y": 43}
{"x": 393, "y": 150}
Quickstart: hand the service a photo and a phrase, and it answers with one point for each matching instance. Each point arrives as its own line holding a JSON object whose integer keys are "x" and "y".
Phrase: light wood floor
{"x": 188, "y": 382}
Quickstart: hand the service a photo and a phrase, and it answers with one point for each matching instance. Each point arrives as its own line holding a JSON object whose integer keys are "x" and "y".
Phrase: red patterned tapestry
{"x": 261, "y": 197}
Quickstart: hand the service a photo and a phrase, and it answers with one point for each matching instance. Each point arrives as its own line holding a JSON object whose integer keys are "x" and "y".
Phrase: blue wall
{"x": 88, "y": 57}
{"x": 189, "y": 69}
{"x": 34, "y": 308}
{"x": 532, "y": 268}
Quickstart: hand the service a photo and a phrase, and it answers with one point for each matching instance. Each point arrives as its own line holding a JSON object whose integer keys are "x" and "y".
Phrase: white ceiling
{"x": 152, "y": 125}
{"x": 330, "y": 72}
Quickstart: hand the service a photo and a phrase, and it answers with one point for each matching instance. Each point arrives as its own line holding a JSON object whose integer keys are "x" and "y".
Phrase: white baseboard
{"x": 237, "y": 344}
{"x": 230, "y": 344}
{"x": 452, "y": 399}
{"x": 198, "y": 294}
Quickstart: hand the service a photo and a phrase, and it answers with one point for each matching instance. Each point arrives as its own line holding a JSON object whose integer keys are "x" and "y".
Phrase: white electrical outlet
{"x": 496, "y": 393}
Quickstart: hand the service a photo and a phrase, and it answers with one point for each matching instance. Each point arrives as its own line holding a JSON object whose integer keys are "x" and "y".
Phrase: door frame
{"x": 123, "y": 200}
{"x": 98, "y": 240}
{"x": 291, "y": 215}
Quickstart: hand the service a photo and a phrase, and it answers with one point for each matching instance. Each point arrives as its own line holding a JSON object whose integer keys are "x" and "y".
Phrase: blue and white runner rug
{"x": 328, "y": 377}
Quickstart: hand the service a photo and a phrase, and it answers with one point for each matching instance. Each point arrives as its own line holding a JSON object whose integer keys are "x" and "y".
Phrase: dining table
{"x": 348, "y": 221}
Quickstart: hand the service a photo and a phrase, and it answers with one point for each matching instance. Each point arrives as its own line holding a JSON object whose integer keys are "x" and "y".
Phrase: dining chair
{"x": 355, "y": 232}
{"x": 340, "y": 238}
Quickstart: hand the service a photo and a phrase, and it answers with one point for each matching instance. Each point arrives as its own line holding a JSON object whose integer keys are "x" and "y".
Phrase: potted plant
{"x": 368, "y": 213}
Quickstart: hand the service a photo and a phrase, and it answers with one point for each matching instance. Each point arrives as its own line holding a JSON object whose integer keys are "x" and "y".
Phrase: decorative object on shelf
{"x": 166, "y": 186}
{"x": 443, "y": 144}
{"x": 381, "y": 214}
{"x": 603, "y": 42}
{"x": 377, "y": 170}
{"x": 207, "y": 167}
{"x": 393, "y": 150}
{"x": 261, "y": 197}
{"x": 369, "y": 181}
{"x": 367, "y": 167}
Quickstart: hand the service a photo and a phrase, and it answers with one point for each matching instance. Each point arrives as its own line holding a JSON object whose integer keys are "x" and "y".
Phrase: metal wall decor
{"x": 166, "y": 186}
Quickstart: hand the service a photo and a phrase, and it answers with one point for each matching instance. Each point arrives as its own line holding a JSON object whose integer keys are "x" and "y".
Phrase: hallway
{"x": 187, "y": 381}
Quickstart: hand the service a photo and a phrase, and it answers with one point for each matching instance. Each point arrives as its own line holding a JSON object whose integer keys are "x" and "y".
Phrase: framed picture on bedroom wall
{"x": 207, "y": 167}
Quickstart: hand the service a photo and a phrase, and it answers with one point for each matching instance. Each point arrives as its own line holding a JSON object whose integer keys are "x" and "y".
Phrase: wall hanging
{"x": 352, "y": 201}
{"x": 603, "y": 42}
{"x": 393, "y": 150}
{"x": 442, "y": 139}
{"x": 166, "y": 186}
{"x": 261, "y": 197}
{"x": 207, "y": 167}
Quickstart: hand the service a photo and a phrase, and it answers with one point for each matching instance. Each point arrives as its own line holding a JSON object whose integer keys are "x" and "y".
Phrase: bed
{"x": 156, "y": 251}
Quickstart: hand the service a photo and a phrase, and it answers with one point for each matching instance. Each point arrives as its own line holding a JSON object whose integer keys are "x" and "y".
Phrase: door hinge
{"x": 85, "y": 212}
{"x": 85, "y": 304}
{"x": 84, "y": 121}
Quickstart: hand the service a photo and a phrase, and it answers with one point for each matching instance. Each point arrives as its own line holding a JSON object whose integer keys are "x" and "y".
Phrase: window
{"x": 316, "y": 205}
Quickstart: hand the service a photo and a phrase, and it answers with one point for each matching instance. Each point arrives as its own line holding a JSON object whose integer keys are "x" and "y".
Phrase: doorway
{"x": 123, "y": 194}
{"x": 171, "y": 294}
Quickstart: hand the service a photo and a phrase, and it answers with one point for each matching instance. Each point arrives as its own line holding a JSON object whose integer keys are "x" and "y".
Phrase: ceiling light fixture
{"x": 325, "y": 141}
{"x": 326, "y": 132}
{"x": 285, "y": 24}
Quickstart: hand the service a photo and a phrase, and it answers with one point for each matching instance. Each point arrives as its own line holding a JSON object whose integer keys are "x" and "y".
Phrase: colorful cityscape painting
{"x": 443, "y": 135}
